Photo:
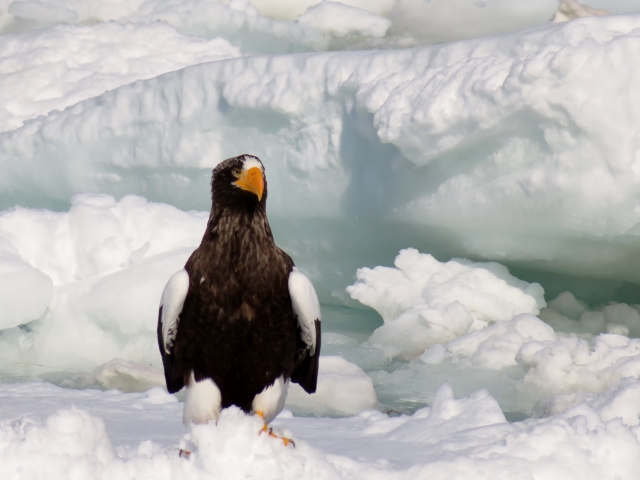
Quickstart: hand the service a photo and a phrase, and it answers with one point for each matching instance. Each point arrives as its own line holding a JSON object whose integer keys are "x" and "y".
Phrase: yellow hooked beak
{"x": 251, "y": 181}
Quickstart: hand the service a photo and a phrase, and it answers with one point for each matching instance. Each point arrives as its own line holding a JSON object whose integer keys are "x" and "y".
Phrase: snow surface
{"x": 93, "y": 434}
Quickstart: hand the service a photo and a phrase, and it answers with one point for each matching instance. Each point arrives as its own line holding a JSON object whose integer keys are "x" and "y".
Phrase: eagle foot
{"x": 269, "y": 430}
{"x": 285, "y": 440}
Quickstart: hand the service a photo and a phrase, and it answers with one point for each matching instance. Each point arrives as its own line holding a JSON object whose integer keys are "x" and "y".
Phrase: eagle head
{"x": 239, "y": 181}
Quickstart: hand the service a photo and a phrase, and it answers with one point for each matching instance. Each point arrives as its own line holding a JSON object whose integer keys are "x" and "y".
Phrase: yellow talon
{"x": 265, "y": 428}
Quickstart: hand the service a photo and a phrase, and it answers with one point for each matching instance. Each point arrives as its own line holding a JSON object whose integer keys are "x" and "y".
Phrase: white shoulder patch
{"x": 173, "y": 296}
{"x": 305, "y": 305}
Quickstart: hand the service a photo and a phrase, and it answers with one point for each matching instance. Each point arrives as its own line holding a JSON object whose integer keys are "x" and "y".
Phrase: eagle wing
{"x": 307, "y": 311}
{"x": 173, "y": 297}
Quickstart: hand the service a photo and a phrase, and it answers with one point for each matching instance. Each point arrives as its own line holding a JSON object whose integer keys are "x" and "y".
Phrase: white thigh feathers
{"x": 203, "y": 401}
{"x": 171, "y": 304}
{"x": 306, "y": 307}
{"x": 271, "y": 400}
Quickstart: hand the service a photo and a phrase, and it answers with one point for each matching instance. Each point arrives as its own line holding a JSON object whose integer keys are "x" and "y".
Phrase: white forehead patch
{"x": 251, "y": 162}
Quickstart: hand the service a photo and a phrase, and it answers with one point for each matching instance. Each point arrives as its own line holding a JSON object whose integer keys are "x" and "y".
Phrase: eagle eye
{"x": 236, "y": 172}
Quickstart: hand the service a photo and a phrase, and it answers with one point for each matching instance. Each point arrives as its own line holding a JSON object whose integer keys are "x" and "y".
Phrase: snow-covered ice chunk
{"x": 420, "y": 327}
{"x": 68, "y": 441}
{"x": 343, "y": 389}
{"x": 128, "y": 376}
{"x": 495, "y": 346}
{"x": 222, "y": 449}
{"x": 620, "y": 402}
{"x": 424, "y": 302}
{"x": 570, "y": 364}
{"x": 567, "y": 304}
{"x": 108, "y": 262}
{"x": 342, "y": 19}
{"x": 38, "y": 75}
{"x": 98, "y": 235}
{"x": 448, "y": 416}
{"x": 567, "y": 314}
{"x": 25, "y": 292}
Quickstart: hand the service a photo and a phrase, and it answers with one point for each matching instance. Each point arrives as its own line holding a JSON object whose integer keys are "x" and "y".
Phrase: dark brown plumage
{"x": 237, "y": 326}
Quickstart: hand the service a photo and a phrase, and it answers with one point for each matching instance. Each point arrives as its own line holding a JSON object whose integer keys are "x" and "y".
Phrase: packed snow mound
{"x": 495, "y": 346}
{"x": 620, "y": 402}
{"x": 343, "y": 20}
{"x": 52, "y": 69}
{"x": 25, "y": 292}
{"x": 90, "y": 279}
{"x": 424, "y": 302}
{"x": 72, "y": 441}
{"x": 558, "y": 371}
{"x": 98, "y": 235}
{"x": 483, "y": 148}
{"x": 571, "y": 364}
{"x": 568, "y": 314}
{"x": 554, "y": 365}
{"x": 487, "y": 290}
{"x": 459, "y": 438}
{"x": 222, "y": 450}
{"x": 447, "y": 416}
{"x": 68, "y": 441}
{"x": 343, "y": 389}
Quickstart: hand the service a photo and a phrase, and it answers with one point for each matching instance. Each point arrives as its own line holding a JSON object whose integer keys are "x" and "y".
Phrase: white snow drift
{"x": 424, "y": 302}
{"x": 457, "y": 438}
{"x": 107, "y": 261}
{"x": 343, "y": 389}
{"x": 52, "y": 69}
{"x": 493, "y": 347}
{"x": 568, "y": 314}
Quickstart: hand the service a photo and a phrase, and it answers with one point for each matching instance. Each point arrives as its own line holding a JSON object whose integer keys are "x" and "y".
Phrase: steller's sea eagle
{"x": 239, "y": 321}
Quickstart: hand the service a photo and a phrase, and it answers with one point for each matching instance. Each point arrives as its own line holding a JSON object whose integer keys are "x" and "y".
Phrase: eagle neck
{"x": 237, "y": 224}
